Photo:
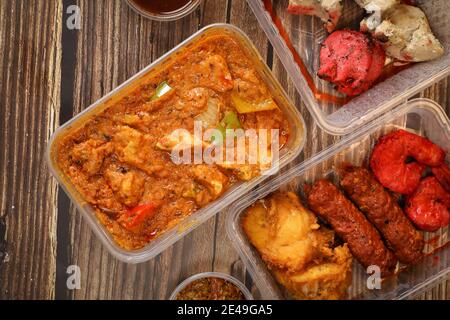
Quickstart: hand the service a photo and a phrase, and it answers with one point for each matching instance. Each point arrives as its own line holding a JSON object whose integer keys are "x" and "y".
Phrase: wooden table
{"x": 48, "y": 73}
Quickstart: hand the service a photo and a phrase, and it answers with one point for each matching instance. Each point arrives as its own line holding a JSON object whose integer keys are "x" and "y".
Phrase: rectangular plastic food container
{"x": 297, "y": 41}
{"x": 421, "y": 116}
{"x": 288, "y": 153}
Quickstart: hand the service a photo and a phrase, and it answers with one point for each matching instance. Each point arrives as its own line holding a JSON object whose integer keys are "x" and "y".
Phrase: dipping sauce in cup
{"x": 211, "y": 286}
{"x": 164, "y": 10}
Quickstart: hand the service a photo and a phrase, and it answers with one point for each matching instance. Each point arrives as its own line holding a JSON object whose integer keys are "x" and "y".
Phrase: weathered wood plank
{"x": 30, "y": 43}
{"x": 440, "y": 92}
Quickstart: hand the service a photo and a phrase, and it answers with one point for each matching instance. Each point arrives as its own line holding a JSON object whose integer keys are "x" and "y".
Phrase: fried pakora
{"x": 300, "y": 253}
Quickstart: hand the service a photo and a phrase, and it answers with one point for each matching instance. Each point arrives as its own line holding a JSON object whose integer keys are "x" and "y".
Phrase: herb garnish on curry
{"x": 119, "y": 160}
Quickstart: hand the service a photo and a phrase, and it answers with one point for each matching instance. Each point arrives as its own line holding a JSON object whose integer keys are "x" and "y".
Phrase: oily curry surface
{"x": 120, "y": 162}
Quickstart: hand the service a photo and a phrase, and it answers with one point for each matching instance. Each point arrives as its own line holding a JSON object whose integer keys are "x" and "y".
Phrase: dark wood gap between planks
{"x": 30, "y": 77}
{"x": 69, "y": 45}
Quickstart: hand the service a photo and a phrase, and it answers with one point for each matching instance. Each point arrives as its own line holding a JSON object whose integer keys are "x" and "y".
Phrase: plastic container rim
{"x": 176, "y": 15}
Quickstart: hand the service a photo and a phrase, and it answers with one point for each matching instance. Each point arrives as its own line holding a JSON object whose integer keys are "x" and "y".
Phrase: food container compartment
{"x": 421, "y": 116}
{"x": 236, "y": 282}
{"x": 297, "y": 41}
{"x": 289, "y": 152}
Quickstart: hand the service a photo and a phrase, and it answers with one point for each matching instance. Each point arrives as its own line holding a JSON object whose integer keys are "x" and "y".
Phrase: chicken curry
{"x": 120, "y": 159}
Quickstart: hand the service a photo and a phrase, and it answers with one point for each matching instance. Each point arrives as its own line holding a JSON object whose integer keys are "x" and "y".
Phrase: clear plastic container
{"x": 236, "y": 282}
{"x": 299, "y": 52}
{"x": 421, "y": 116}
{"x": 290, "y": 151}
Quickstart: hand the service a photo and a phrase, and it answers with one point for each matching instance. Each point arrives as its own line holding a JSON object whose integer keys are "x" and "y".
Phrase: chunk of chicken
{"x": 91, "y": 154}
{"x": 406, "y": 34}
{"x": 329, "y": 11}
{"x": 127, "y": 186}
{"x": 247, "y": 171}
{"x": 248, "y": 84}
{"x": 244, "y": 172}
{"x": 195, "y": 98}
{"x": 377, "y": 9}
{"x": 133, "y": 147}
{"x": 209, "y": 183}
{"x": 179, "y": 140}
{"x": 213, "y": 73}
{"x": 328, "y": 280}
{"x": 210, "y": 177}
{"x": 352, "y": 61}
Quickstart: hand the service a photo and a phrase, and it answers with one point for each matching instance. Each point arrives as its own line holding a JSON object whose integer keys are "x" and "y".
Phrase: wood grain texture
{"x": 30, "y": 43}
{"x": 113, "y": 44}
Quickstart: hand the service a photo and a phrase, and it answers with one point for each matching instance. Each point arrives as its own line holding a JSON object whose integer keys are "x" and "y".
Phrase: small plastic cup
{"x": 174, "y": 15}
{"x": 236, "y": 282}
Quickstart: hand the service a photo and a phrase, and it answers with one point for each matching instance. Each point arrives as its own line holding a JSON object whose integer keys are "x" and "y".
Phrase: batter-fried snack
{"x": 297, "y": 249}
{"x": 320, "y": 281}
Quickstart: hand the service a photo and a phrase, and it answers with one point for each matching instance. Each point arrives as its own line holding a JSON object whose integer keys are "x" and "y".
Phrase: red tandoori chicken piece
{"x": 351, "y": 60}
{"x": 390, "y": 155}
{"x": 428, "y": 206}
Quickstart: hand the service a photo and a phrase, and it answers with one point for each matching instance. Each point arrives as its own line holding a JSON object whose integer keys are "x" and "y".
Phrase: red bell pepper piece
{"x": 135, "y": 217}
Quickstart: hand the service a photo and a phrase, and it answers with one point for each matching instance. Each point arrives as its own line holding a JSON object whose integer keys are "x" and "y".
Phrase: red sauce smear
{"x": 433, "y": 240}
{"x": 436, "y": 258}
{"x": 435, "y": 261}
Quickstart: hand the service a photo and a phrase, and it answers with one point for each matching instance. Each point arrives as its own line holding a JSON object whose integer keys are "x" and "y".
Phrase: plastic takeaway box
{"x": 297, "y": 41}
{"x": 289, "y": 152}
{"x": 420, "y": 116}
